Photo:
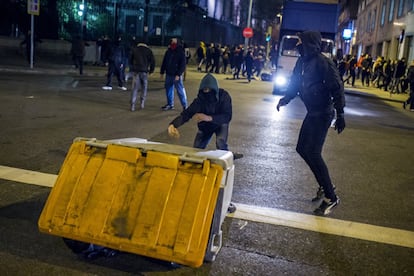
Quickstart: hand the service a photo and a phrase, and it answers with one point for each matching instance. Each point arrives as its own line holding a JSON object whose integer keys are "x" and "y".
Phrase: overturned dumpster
{"x": 157, "y": 200}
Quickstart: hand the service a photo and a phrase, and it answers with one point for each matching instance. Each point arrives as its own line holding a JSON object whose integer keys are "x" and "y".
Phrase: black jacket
{"x": 142, "y": 59}
{"x": 173, "y": 62}
{"x": 216, "y": 104}
{"x": 315, "y": 78}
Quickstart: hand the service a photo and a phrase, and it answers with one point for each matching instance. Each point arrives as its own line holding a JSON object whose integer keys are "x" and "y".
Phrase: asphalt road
{"x": 370, "y": 163}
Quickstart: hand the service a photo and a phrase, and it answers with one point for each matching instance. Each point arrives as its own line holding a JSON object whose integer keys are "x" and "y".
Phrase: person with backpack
{"x": 316, "y": 79}
{"x": 116, "y": 59}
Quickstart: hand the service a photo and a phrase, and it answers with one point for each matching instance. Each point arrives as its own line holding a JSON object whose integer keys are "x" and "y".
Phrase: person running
{"x": 316, "y": 79}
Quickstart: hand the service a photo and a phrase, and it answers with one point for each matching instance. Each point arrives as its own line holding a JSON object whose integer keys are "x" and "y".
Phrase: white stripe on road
{"x": 265, "y": 215}
{"x": 28, "y": 177}
{"x": 325, "y": 225}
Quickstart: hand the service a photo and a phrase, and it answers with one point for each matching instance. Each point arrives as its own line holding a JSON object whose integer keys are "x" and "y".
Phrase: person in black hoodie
{"x": 116, "y": 58}
{"x": 212, "y": 109}
{"x": 316, "y": 79}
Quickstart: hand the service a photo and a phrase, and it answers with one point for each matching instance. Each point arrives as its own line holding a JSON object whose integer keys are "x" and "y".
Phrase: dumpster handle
{"x": 193, "y": 159}
{"x": 96, "y": 144}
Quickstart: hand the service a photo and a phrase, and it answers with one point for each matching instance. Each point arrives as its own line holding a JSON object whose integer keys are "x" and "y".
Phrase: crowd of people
{"x": 215, "y": 58}
{"x": 389, "y": 75}
{"x": 386, "y": 74}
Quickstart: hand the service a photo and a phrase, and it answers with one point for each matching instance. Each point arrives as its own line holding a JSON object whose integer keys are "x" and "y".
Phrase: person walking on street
{"x": 142, "y": 64}
{"x": 398, "y": 75}
{"x": 410, "y": 78}
{"x": 352, "y": 68}
{"x": 316, "y": 79}
{"x": 238, "y": 61}
{"x": 366, "y": 70}
{"x": 212, "y": 110}
{"x": 173, "y": 64}
{"x": 78, "y": 52}
{"x": 116, "y": 59}
{"x": 28, "y": 42}
{"x": 201, "y": 55}
{"x": 248, "y": 62}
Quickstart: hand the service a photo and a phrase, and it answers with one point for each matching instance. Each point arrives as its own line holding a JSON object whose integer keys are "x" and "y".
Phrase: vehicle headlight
{"x": 280, "y": 80}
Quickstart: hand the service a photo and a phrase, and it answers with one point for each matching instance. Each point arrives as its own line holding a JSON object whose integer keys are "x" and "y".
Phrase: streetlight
{"x": 81, "y": 13}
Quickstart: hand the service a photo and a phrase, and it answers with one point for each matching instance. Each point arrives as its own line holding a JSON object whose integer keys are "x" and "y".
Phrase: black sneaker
{"x": 320, "y": 193}
{"x": 167, "y": 107}
{"x": 326, "y": 207}
{"x": 237, "y": 155}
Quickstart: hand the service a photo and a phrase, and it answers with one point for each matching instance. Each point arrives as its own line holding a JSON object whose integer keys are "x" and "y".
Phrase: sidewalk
{"x": 43, "y": 65}
{"x": 374, "y": 92}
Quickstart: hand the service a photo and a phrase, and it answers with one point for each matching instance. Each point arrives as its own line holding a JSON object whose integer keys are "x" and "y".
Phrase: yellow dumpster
{"x": 157, "y": 200}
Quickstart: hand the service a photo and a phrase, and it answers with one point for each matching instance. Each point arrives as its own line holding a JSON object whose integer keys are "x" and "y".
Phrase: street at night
{"x": 273, "y": 232}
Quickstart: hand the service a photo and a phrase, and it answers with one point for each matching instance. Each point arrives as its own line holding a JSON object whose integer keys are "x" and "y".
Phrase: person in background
{"x": 316, "y": 79}
{"x": 27, "y": 42}
{"x": 248, "y": 62}
{"x": 238, "y": 61}
{"x": 212, "y": 110}
{"x": 173, "y": 65}
{"x": 187, "y": 54}
{"x": 201, "y": 55}
{"x": 116, "y": 59}
{"x": 226, "y": 58}
{"x": 78, "y": 52}
{"x": 352, "y": 67}
{"x": 410, "y": 79}
{"x": 142, "y": 64}
{"x": 366, "y": 65}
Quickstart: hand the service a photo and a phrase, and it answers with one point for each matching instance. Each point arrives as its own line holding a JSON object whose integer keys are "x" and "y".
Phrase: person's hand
{"x": 161, "y": 76}
{"x": 173, "y": 131}
{"x": 177, "y": 78}
{"x": 282, "y": 102}
{"x": 201, "y": 117}
{"x": 340, "y": 123}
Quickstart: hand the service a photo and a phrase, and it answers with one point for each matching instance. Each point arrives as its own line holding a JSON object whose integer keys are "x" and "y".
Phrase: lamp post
{"x": 146, "y": 21}
{"x": 249, "y": 19}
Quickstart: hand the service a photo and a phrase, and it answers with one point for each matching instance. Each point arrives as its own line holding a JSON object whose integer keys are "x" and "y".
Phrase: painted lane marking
{"x": 28, "y": 177}
{"x": 272, "y": 216}
{"x": 325, "y": 225}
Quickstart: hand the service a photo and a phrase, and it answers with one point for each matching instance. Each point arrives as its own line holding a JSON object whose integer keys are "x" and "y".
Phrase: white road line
{"x": 325, "y": 225}
{"x": 28, "y": 177}
{"x": 265, "y": 215}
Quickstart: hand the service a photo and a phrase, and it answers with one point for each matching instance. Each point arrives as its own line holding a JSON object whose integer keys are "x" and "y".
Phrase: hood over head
{"x": 209, "y": 81}
{"x": 311, "y": 41}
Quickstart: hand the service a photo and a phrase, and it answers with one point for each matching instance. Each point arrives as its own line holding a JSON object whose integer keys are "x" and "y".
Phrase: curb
{"x": 370, "y": 95}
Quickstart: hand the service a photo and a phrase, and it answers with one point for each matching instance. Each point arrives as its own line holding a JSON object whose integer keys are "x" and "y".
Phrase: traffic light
{"x": 267, "y": 37}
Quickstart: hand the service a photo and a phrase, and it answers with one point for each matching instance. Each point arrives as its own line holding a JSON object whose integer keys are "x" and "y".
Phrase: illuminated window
{"x": 391, "y": 13}
{"x": 383, "y": 10}
{"x": 400, "y": 8}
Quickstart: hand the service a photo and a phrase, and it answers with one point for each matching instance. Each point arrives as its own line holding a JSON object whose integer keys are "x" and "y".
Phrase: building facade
{"x": 377, "y": 27}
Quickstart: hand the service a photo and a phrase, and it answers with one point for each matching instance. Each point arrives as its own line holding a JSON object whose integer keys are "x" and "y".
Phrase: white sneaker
{"x": 122, "y": 88}
{"x": 107, "y": 87}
